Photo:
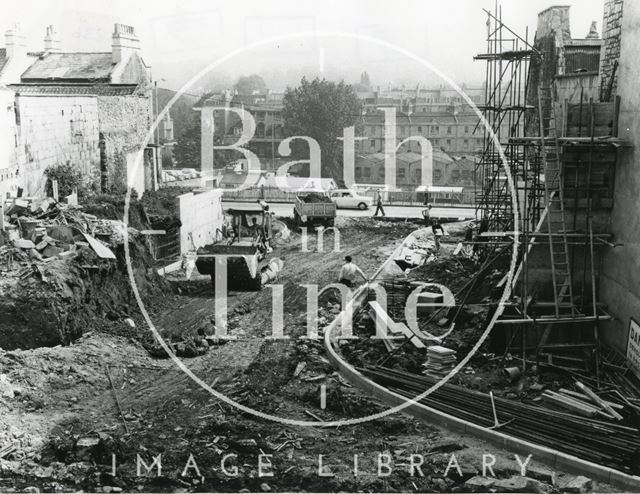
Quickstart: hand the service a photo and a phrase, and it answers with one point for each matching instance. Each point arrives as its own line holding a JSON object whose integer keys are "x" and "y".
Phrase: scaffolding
{"x": 562, "y": 167}
{"x": 507, "y": 59}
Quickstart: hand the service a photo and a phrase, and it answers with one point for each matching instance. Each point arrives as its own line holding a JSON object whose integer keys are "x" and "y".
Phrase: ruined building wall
{"x": 124, "y": 122}
{"x": 551, "y": 32}
{"x": 620, "y": 286}
{"x": 8, "y": 144}
{"x": 55, "y": 130}
{"x": 610, "y": 53}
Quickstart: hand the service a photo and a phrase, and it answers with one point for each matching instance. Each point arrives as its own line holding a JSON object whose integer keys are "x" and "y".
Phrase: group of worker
{"x": 436, "y": 227}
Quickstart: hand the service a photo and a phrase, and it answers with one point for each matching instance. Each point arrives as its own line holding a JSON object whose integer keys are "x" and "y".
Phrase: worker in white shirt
{"x": 348, "y": 273}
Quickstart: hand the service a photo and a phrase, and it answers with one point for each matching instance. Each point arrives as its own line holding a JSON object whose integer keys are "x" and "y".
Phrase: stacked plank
{"x": 440, "y": 361}
{"x": 585, "y": 403}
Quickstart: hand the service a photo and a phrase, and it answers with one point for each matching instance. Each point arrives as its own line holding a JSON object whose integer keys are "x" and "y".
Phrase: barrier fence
{"x": 400, "y": 198}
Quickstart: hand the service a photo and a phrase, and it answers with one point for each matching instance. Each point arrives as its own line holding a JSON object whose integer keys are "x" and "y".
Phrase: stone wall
{"x": 56, "y": 130}
{"x": 124, "y": 122}
{"x": 8, "y": 144}
{"x": 201, "y": 215}
{"x": 610, "y": 53}
{"x": 620, "y": 288}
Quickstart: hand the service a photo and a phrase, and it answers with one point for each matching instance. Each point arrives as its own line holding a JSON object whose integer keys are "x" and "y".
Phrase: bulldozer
{"x": 245, "y": 242}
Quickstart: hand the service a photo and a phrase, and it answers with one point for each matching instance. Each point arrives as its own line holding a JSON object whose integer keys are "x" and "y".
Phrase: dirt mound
{"x": 53, "y": 303}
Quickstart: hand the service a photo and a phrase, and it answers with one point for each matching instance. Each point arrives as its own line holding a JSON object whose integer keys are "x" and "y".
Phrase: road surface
{"x": 286, "y": 209}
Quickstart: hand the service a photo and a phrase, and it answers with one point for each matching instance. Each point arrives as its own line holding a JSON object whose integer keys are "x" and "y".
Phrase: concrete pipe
{"x": 512, "y": 373}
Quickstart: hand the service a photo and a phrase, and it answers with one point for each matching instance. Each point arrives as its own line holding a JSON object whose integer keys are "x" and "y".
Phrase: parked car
{"x": 348, "y": 199}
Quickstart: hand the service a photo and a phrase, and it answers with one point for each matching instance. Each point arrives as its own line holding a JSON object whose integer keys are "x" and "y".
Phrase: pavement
{"x": 286, "y": 209}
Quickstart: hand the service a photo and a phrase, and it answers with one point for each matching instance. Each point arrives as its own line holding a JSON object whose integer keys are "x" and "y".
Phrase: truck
{"x": 312, "y": 208}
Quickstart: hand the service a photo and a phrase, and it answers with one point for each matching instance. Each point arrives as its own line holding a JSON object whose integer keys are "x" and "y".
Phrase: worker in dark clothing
{"x": 259, "y": 236}
{"x": 379, "y": 205}
{"x": 438, "y": 233}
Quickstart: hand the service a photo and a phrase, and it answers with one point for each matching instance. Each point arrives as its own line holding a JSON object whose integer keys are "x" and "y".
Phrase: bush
{"x": 69, "y": 178}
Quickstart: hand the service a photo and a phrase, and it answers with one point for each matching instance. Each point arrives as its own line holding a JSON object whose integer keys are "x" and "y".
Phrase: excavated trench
{"x": 53, "y": 303}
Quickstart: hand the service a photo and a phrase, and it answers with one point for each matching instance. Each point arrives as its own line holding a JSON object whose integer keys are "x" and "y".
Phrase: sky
{"x": 179, "y": 38}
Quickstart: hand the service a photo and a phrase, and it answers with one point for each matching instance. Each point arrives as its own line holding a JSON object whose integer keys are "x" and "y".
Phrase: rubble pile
{"x": 62, "y": 270}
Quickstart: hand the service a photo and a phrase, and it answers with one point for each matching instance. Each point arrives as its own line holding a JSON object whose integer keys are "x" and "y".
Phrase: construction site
{"x": 174, "y": 343}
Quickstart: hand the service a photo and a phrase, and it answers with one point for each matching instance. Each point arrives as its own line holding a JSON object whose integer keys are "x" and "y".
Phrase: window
{"x": 401, "y": 172}
{"x": 419, "y": 129}
{"x": 437, "y": 175}
{"x": 448, "y": 130}
{"x": 448, "y": 142}
{"x": 466, "y": 129}
{"x": 373, "y": 144}
{"x": 366, "y": 172}
{"x": 466, "y": 141}
{"x": 358, "y": 171}
{"x": 424, "y": 109}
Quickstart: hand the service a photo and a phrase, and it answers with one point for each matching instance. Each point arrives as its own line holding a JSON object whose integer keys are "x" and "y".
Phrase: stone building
{"x": 90, "y": 110}
{"x": 620, "y": 278}
{"x": 453, "y": 133}
{"x": 440, "y": 114}
{"x": 610, "y": 54}
{"x": 265, "y": 108}
{"x": 447, "y": 170}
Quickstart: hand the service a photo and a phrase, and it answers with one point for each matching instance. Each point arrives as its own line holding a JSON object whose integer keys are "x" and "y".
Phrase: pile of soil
{"x": 54, "y": 303}
{"x": 314, "y": 197}
{"x": 160, "y": 206}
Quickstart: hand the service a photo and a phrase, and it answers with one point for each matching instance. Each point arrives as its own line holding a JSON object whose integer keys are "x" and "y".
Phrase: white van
{"x": 348, "y": 199}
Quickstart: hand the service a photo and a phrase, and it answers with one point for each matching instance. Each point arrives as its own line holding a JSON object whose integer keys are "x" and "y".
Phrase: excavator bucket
{"x": 242, "y": 267}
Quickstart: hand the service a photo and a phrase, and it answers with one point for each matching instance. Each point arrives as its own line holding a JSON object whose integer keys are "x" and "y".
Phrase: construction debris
{"x": 605, "y": 443}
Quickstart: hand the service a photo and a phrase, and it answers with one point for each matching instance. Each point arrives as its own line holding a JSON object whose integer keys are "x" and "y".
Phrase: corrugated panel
{"x": 582, "y": 58}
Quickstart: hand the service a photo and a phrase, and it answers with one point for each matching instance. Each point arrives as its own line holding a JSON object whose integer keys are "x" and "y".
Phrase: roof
{"x": 3, "y": 58}
{"x": 245, "y": 210}
{"x": 71, "y": 66}
{"x": 439, "y": 188}
{"x": 240, "y": 178}
{"x": 76, "y": 89}
{"x": 405, "y": 157}
{"x": 309, "y": 184}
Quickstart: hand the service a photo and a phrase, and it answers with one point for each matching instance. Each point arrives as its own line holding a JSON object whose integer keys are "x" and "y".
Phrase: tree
{"x": 321, "y": 109}
{"x": 250, "y": 83}
{"x": 186, "y": 153}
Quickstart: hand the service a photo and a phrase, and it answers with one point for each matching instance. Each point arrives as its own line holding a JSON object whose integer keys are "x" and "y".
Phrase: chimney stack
{"x": 51, "y": 41}
{"x": 14, "y": 42}
{"x": 593, "y": 31}
{"x": 124, "y": 43}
